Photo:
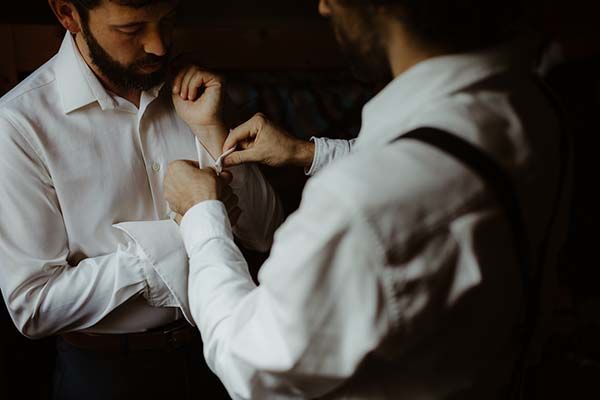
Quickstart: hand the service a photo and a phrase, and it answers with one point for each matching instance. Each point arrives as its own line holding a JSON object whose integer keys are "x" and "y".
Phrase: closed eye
{"x": 130, "y": 30}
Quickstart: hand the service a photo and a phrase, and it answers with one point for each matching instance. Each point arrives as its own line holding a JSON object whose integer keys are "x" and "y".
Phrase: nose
{"x": 155, "y": 43}
{"x": 324, "y": 8}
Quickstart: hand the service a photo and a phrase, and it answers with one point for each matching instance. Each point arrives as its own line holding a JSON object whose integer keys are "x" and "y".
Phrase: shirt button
{"x": 155, "y": 167}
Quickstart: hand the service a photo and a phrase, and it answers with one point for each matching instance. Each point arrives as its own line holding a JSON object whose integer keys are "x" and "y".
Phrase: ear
{"x": 67, "y": 14}
{"x": 324, "y": 8}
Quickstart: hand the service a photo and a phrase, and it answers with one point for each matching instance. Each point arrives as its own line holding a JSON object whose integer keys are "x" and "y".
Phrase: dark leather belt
{"x": 170, "y": 336}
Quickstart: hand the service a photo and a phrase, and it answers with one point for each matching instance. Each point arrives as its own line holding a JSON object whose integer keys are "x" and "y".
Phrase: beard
{"x": 125, "y": 77}
{"x": 362, "y": 46}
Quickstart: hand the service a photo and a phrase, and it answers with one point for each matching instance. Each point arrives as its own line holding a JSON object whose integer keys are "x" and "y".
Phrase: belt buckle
{"x": 174, "y": 335}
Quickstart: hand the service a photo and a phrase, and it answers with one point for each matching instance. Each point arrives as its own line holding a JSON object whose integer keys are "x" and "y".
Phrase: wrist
{"x": 194, "y": 200}
{"x": 211, "y": 129}
{"x": 212, "y": 137}
{"x": 303, "y": 153}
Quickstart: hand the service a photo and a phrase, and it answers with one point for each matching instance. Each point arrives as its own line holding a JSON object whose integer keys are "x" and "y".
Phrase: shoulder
{"x": 399, "y": 190}
{"x": 29, "y": 104}
{"x": 35, "y": 91}
{"x": 508, "y": 118}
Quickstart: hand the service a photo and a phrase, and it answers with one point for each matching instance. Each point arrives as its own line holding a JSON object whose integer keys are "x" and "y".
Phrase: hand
{"x": 198, "y": 97}
{"x": 187, "y": 185}
{"x": 261, "y": 141}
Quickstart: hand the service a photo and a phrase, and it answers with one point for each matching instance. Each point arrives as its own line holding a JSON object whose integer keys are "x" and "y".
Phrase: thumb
{"x": 246, "y": 132}
{"x": 240, "y": 157}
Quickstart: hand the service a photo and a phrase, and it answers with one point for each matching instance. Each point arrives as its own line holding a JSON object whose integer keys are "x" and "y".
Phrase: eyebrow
{"x": 171, "y": 14}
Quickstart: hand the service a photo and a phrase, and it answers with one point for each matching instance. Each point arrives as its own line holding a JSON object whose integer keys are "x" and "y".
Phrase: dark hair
{"x": 84, "y": 6}
{"x": 458, "y": 25}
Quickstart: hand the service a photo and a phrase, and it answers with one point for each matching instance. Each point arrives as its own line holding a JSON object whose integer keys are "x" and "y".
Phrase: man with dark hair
{"x": 87, "y": 245}
{"x": 405, "y": 272}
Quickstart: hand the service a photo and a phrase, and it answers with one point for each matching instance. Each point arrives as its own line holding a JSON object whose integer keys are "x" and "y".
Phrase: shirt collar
{"x": 432, "y": 79}
{"x": 79, "y": 86}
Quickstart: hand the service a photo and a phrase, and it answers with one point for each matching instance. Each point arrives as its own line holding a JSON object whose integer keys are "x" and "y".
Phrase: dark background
{"x": 39, "y": 12}
{"x": 281, "y": 58}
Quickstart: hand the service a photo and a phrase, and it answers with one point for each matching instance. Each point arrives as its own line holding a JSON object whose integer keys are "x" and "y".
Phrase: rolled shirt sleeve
{"x": 328, "y": 150}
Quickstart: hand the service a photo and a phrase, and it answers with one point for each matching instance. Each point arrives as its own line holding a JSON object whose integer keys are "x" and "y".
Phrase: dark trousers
{"x": 167, "y": 373}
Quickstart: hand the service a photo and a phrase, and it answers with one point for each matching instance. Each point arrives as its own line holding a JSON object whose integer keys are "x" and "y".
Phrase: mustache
{"x": 151, "y": 59}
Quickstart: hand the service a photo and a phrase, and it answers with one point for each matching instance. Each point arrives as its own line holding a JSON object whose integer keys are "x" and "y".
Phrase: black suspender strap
{"x": 500, "y": 183}
{"x": 493, "y": 175}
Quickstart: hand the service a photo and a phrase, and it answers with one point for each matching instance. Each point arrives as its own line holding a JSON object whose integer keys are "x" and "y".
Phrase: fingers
{"x": 200, "y": 79}
{"x": 189, "y": 81}
{"x": 185, "y": 83}
{"x": 245, "y": 132}
{"x": 178, "y": 81}
{"x": 186, "y": 185}
{"x": 194, "y": 86}
{"x": 240, "y": 157}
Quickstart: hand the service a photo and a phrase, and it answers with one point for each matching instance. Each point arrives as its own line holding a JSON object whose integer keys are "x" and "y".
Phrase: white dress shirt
{"x": 396, "y": 278}
{"x": 85, "y": 239}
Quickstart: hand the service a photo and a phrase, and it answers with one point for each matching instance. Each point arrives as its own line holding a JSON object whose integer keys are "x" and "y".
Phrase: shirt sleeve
{"x": 305, "y": 318}
{"x": 159, "y": 246}
{"x": 43, "y": 291}
{"x": 328, "y": 150}
{"x": 262, "y": 212}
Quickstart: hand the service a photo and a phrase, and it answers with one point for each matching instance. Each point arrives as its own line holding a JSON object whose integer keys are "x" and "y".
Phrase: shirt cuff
{"x": 326, "y": 151}
{"x": 159, "y": 245}
{"x": 204, "y": 157}
{"x": 317, "y": 163}
{"x": 203, "y": 222}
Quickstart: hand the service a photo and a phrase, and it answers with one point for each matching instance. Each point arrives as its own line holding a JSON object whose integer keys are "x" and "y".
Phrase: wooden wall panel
{"x": 294, "y": 45}
{"x": 35, "y": 44}
{"x": 226, "y": 44}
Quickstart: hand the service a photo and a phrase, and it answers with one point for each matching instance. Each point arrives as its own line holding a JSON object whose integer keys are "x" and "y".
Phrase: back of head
{"x": 453, "y": 25}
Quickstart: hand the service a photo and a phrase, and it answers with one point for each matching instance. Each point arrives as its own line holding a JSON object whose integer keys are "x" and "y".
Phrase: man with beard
{"x": 402, "y": 274}
{"x": 87, "y": 246}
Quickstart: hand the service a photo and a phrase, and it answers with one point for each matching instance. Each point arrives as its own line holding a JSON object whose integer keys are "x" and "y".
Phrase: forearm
{"x": 302, "y": 154}
{"x": 45, "y": 294}
{"x": 43, "y": 301}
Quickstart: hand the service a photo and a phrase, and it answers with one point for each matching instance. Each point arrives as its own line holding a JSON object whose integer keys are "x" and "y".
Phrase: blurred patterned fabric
{"x": 320, "y": 103}
{"x": 306, "y": 104}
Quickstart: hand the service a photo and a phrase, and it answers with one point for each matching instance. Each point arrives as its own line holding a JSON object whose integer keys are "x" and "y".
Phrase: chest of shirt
{"x": 108, "y": 166}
